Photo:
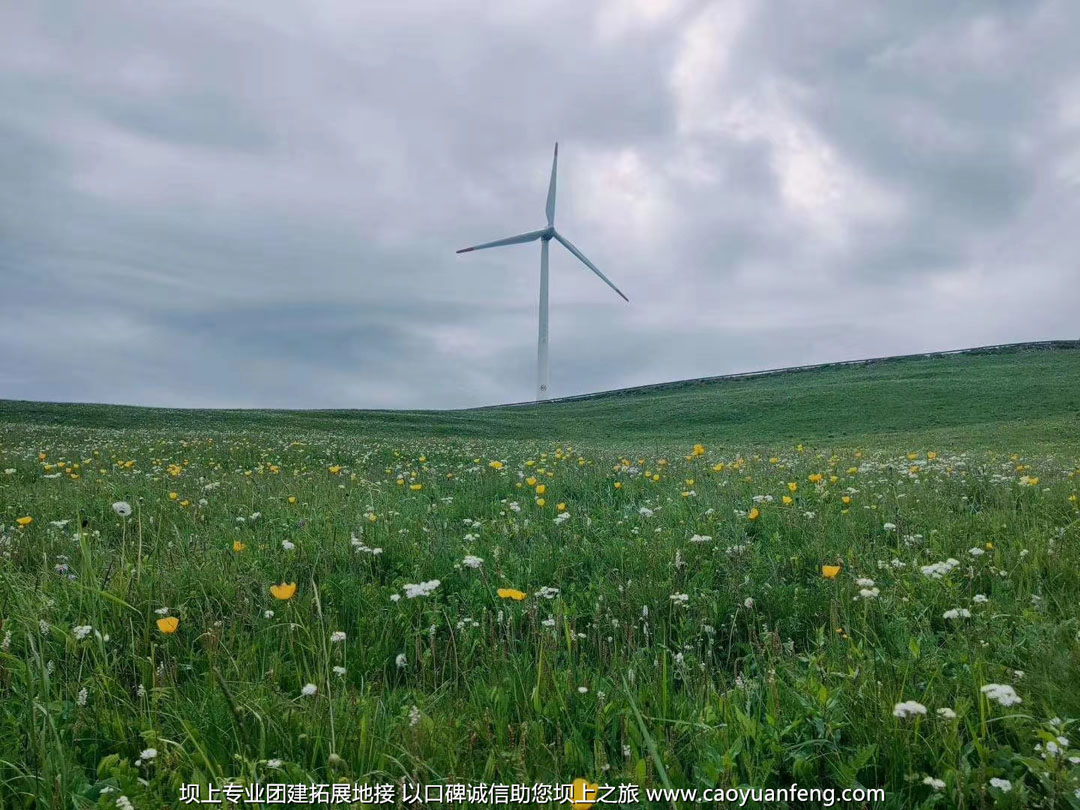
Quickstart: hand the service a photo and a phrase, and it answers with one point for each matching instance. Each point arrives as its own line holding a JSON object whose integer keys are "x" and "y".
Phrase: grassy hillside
{"x": 849, "y": 578}
{"x": 1011, "y": 396}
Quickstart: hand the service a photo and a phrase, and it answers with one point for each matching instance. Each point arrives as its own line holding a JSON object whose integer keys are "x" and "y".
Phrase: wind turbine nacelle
{"x": 548, "y": 234}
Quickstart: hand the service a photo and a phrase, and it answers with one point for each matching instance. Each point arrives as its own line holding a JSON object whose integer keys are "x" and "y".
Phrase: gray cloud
{"x": 243, "y": 204}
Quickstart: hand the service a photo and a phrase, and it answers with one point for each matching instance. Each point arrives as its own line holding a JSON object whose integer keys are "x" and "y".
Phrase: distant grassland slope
{"x": 1026, "y": 395}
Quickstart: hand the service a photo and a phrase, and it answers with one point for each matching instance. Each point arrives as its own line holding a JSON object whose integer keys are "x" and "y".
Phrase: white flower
{"x": 863, "y": 582}
{"x": 701, "y": 538}
{"x": 748, "y": 603}
{"x": 164, "y": 611}
{"x": 124, "y": 803}
{"x": 583, "y": 689}
{"x": 939, "y": 570}
{"x": 908, "y": 708}
{"x": 547, "y": 592}
{"x": 421, "y": 589}
{"x": 936, "y": 784}
{"x": 81, "y": 631}
{"x": 946, "y": 713}
{"x": 401, "y": 661}
{"x": 957, "y": 613}
{"x": 273, "y": 763}
{"x": 268, "y": 614}
{"x": 82, "y": 696}
{"x": 148, "y": 754}
{"x": 976, "y": 551}
{"x": 122, "y": 508}
{"x": 980, "y": 598}
{"x": 645, "y": 512}
{"x": 394, "y": 597}
{"x": 1004, "y": 785}
{"x": 414, "y": 716}
{"x": 337, "y": 636}
{"x": 869, "y": 593}
{"x": 339, "y": 671}
{"x": 288, "y": 545}
{"x": 1002, "y": 693}
{"x": 889, "y": 527}
{"x": 680, "y": 598}
{"x": 472, "y": 561}
{"x": 309, "y": 689}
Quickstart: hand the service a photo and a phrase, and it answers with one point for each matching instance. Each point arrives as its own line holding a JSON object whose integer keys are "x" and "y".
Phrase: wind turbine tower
{"x": 545, "y": 235}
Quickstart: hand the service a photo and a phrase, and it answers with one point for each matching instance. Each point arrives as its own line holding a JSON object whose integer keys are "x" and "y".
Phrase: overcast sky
{"x": 257, "y": 203}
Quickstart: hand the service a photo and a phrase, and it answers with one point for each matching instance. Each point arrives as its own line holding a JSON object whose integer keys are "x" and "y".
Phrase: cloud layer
{"x": 257, "y": 204}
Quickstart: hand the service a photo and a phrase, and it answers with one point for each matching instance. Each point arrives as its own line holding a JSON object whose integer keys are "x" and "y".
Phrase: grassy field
{"x": 861, "y": 576}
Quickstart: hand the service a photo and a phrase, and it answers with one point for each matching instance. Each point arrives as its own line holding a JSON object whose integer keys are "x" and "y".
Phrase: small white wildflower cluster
{"x": 358, "y": 544}
{"x": 680, "y": 598}
{"x": 909, "y": 708}
{"x": 701, "y": 538}
{"x": 957, "y": 613}
{"x": 420, "y": 589}
{"x": 122, "y": 508}
{"x": 472, "y": 561}
{"x": 867, "y": 589}
{"x": 309, "y": 690}
{"x": 547, "y": 592}
{"x": 561, "y": 518}
{"x": 939, "y": 570}
{"x": 1002, "y": 693}
{"x": 81, "y": 631}
{"x": 337, "y": 636}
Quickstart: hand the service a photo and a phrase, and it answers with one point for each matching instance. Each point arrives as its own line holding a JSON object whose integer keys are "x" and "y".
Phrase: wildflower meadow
{"x": 285, "y": 603}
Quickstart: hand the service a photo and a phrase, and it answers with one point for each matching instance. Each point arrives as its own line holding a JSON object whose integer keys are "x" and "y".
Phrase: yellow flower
{"x": 238, "y": 546}
{"x": 689, "y": 482}
{"x": 540, "y": 501}
{"x": 846, "y": 499}
{"x": 292, "y": 499}
{"x": 173, "y": 496}
{"x": 718, "y": 467}
{"x": 24, "y": 521}
{"x": 656, "y": 477}
{"x": 560, "y": 507}
{"x": 531, "y": 481}
{"x": 816, "y": 478}
{"x": 541, "y": 489}
{"x": 912, "y": 456}
{"x": 496, "y": 465}
{"x": 416, "y": 487}
{"x": 185, "y": 503}
{"x": 931, "y": 455}
{"x": 335, "y": 469}
{"x": 372, "y": 518}
{"x": 774, "y": 460}
{"x": 168, "y": 625}
{"x": 283, "y": 590}
{"x": 699, "y": 450}
{"x": 754, "y": 514}
{"x": 401, "y": 482}
{"x": 584, "y": 794}
{"x": 510, "y": 593}
{"x": 830, "y": 571}
{"x": 792, "y": 486}
{"x": 788, "y": 500}
{"x": 618, "y": 485}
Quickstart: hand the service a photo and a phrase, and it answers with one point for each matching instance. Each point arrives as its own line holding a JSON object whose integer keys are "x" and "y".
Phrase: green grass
{"x": 766, "y": 673}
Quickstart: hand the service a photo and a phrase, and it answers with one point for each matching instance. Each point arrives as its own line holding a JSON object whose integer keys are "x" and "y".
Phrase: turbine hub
{"x": 548, "y": 234}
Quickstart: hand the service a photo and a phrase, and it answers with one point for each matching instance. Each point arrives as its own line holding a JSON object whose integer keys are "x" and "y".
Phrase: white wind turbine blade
{"x": 551, "y": 187}
{"x": 566, "y": 244}
{"x": 531, "y": 236}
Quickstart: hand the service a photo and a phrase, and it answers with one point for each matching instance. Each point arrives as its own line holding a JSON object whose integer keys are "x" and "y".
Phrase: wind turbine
{"x": 545, "y": 235}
